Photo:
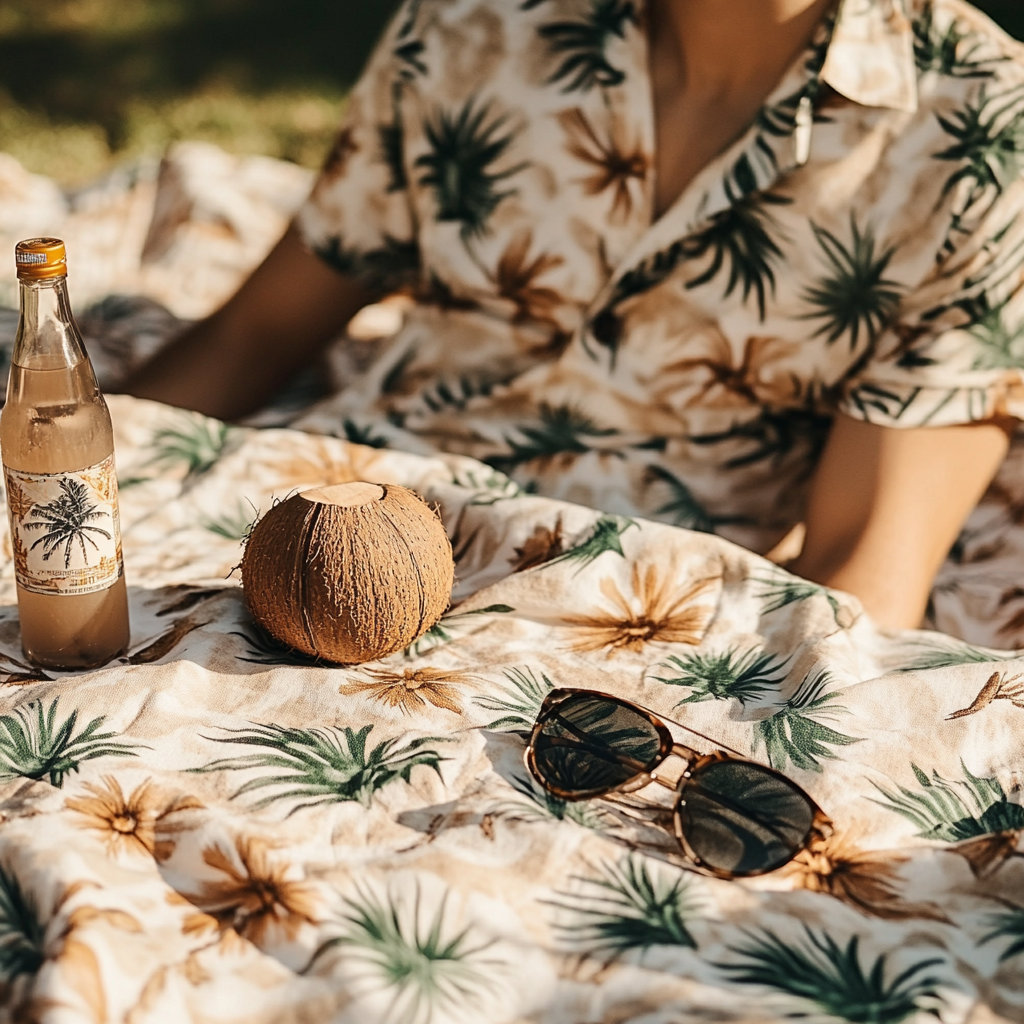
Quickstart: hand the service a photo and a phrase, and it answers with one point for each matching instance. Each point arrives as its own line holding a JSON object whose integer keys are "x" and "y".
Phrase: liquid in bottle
{"x": 57, "y": 448}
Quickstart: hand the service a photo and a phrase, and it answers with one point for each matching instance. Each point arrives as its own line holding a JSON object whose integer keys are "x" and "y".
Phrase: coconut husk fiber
{"x": 348, "y": 573}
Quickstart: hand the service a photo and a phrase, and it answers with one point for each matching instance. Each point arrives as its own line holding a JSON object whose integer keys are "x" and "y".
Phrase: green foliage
{"x": 953, "y": 52}
{"x": 34, "y": 745}
{"x": 854, "y": 297}
{"x": 773, "y": 436}
{"x": 22, "y": 933}
{"x": 725, "y": 675}
{"x": 832, "y": 979}
{"x": 582, "y": 45}
{"x": 233, "y": 525}
{"x": 428, "y": 966}
{"x": 606, "y": 536}
{"x": 323, "y": 765}
{"x": 195, "y": 445}
{"x": 520, "y": 702}
{"x": 1007, "y": 924}
{"x": 796, "y": 733}
{"x": 363, "y": 434}
{"x": 541, "y": 805}
{"x": 988, "y": 142}
{"x": 626, "y": 908}
{"x": 459, "y": 166}
{"x": 562, "y": 430}
{"x": 943, "y": 652}
{"x": 952, "y": 811}
{"x": 392, "y": 263}
{"x": 778, "y": 590}
{"x": 683, "y": 507}
{"x": 742, "y": 237}
{"x": 445, "y": 629}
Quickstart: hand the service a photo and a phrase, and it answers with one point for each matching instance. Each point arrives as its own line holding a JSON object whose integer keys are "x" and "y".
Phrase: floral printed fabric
{"x": 213, "y": 830}
{"x": 860, "y": 248}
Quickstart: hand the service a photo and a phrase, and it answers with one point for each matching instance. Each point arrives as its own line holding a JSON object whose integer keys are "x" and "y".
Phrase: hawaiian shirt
{"x": 859, "y": 249}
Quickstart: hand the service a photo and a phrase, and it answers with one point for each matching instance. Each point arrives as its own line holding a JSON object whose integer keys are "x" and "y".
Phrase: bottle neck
{"x": 48, "y": 338}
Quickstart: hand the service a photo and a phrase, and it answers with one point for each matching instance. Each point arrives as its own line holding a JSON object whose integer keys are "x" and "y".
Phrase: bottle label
{"x": 65, "y": 529}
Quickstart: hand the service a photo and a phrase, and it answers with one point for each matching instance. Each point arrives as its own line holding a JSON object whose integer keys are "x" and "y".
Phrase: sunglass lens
{"x": 589, "y": 745}
{"x": 744, "y": 819}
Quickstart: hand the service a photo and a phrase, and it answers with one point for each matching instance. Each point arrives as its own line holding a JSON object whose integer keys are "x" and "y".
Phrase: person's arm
{"x": 230, "y": 363}
{"x": 886, "y": 505}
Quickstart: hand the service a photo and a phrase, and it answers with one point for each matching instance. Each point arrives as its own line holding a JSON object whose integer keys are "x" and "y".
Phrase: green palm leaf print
{"x": 428, "y": 966}
{"x": 952, "y": 811}
{"x": 392, "y": 263}
{"x": 950, "y": 51}
{"x": 778, "y": 590}
{"x": 581, "y": 45}
{"x": 325, "y": 765}
{"x": 832, "y": 979}
{"x": 562, "y": 430}
{"x": 459, "y": 167}
{"x": 606, "y": 536}
{"x": 194, "y": 443}
{"x": 519, "y": 702}
{"x": 741, "y": 237}
{"x": 988, "y": 143}
{"x": 540, "y": 805}
{"x": 35, "y": 745}
{"x": 1007, "y": 924}
{"x": 628, "y": 907}
{"x": 943, "y": 652}
{"x": 66, "y": 520}
{"x": 233, "y": 525}
{"x": 796, "y": 733}
{"x": 21, "y": 931}
{"x": 855, "y": 297}
{"x": 444, "y": 631}
{"x": 725, "y": 675}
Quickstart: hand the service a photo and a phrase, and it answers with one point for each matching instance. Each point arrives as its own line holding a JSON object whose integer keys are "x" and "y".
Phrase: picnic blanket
{"x": 212, "y": 829}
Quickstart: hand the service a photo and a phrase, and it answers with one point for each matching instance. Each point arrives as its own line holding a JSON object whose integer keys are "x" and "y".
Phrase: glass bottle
{"x": 57, "y": 448}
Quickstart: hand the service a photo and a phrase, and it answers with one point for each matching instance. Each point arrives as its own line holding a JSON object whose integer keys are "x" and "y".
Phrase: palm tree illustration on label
{"x": 65, "y": 529}
{"x": 67, "y": 521}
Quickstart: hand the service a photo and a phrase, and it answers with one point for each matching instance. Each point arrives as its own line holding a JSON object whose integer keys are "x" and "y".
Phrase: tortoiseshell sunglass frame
{"x": 821, "y": 827}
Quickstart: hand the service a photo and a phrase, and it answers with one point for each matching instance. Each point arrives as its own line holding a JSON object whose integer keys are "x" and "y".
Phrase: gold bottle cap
{"x": 40, "y": 259}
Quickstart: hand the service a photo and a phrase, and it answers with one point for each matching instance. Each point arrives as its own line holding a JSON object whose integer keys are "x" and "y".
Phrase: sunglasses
{"x": 733, "y": 817}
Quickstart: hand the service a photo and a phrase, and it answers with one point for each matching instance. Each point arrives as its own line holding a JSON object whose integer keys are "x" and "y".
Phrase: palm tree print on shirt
{"x": 832, "y": 979}
{"x": 519, "y": 703}
{"x": 1007, "y": 924}
{"x": 581, "y": 46}
{"x": 854, "y": 298}
{"x": 459, "y": 166}
{"x": 617, "y": 165}
{"x": 66, "y": 521}
{"x": 951, "y": 51}
{"x": 562, "y": 431}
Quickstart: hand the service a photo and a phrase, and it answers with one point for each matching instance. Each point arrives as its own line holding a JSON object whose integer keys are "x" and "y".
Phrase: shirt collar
{"x": 871, "y": 57}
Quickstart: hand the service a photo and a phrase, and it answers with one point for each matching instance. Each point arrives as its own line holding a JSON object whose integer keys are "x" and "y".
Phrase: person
{"x": 733, "y": 264}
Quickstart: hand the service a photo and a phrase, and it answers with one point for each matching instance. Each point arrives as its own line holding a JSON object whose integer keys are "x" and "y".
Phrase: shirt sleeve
{"x": 358, "y": 216}
{"x": 955, "y": 353}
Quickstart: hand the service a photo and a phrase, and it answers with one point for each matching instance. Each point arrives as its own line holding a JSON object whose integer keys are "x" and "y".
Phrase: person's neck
{"x": 726, "y": 50}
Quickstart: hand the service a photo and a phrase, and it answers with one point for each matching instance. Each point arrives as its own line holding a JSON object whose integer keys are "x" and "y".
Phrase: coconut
{"x": 348, "y": 573}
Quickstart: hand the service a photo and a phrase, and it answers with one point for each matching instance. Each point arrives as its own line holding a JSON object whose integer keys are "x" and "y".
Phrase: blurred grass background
{"x": 85, "y": 83}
